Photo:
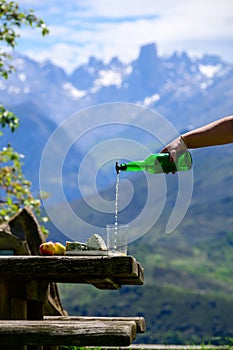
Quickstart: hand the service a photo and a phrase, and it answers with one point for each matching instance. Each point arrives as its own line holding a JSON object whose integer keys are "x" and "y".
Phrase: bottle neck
{"x": 123, "y": 167}
{"x": 133, "y": 166}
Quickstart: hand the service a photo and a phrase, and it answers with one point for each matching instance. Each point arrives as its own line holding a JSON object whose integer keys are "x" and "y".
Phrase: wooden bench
{"x": 25, "y": 298}
{"x": 139, "y": 321}
{"x": 69, "y": 332}
{"x": 29, "y": 293}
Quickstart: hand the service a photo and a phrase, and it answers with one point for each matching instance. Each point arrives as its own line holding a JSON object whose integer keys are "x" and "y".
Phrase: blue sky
{"x": 106, "y": 28}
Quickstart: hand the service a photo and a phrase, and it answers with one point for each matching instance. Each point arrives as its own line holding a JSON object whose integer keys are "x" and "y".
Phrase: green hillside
{"x": 187, "y": 296}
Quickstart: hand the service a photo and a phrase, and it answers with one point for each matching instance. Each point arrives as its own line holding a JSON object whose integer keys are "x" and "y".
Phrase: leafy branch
{"x": 11, "y": 19}
{"x": 8, "y": 118}
{"x": 14, "y": 188}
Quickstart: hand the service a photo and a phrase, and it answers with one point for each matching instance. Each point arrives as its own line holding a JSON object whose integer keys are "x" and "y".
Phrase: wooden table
{"x": 104, "y": 272}
{"x": 24, "y": 278}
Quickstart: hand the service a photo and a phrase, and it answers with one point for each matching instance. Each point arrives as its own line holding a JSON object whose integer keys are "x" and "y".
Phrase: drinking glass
{"x": 117, "y": 238}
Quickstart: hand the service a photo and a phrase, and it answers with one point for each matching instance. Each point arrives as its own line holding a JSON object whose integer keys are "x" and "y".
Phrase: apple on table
{"x": 52, "y": 248}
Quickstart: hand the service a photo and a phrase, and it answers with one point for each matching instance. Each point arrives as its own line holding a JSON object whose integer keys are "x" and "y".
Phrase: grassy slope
{"x": 187, "y": 296}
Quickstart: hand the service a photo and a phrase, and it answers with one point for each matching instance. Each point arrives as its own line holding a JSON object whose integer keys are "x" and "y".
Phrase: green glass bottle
{"x": 158, "y": 163}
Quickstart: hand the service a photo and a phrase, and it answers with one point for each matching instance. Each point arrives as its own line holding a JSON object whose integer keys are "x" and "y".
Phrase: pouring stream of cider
{"x": 116, "y": 209}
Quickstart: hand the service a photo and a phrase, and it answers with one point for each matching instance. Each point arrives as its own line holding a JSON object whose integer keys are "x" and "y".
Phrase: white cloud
{"x": 103, "y": 28}
{"x": 152, "y": 99}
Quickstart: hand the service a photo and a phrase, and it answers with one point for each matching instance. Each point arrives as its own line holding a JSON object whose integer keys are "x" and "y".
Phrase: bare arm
{"x": 219, "y": 132}
{"x": 216, "y": 133}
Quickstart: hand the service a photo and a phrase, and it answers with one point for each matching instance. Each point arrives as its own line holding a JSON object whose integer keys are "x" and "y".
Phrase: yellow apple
{"x": 47, "y": 248}
{"x": 59, "y": 248}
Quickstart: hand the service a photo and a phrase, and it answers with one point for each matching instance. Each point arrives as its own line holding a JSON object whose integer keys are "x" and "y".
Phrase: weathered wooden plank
{"x": 4, "y": 299}
{"x": 72, "y": 269}
{"x": 134, "y": 280}
{"x": 140, "y": 272}
{"x": 10, "y": 242}
{"x": 79, "y": 333}
{"x": 140, "y": 321}
{"x": 104, "y": 283}
{"x": 13, "y": 304}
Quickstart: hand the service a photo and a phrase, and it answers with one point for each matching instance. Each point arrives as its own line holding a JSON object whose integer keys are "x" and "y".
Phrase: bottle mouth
{"x": 118, "y": 168}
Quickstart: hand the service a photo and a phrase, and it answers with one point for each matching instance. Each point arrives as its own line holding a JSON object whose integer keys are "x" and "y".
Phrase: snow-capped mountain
{"x": 187, "y": 91}
{"x": 156, "y": 82}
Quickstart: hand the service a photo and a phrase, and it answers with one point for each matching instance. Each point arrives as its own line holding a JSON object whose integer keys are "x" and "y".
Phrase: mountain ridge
{"x": 174, "y": 78}
{"x": 187, "y": 91}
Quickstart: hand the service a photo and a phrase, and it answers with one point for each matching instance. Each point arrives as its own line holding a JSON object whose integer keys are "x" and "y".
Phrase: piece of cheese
{"x": 75, "y": 246}
{"x": 96, "y": 242}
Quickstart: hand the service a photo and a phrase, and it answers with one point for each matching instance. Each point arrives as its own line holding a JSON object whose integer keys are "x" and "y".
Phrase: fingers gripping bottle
{"x": 158, "y": 163}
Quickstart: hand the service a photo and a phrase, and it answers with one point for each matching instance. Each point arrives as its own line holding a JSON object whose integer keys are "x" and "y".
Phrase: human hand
{"x": 174, "y": 148}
